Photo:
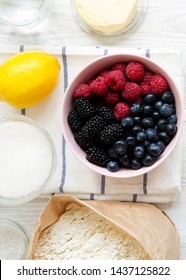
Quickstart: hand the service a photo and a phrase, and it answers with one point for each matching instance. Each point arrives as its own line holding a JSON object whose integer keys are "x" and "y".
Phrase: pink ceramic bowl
{"x": 87, "y": 73}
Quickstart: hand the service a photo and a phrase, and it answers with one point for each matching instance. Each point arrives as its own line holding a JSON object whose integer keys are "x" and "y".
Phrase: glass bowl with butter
{"x": 109, "y": 17}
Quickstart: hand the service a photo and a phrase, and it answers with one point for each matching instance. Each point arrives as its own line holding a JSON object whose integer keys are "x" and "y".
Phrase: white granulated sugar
{"x": 25, "y": 159}
{"x": 80, "y": 233}
{"x": 12, "y": 243}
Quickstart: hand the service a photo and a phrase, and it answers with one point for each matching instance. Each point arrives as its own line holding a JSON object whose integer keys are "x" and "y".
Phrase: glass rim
{"x": 21, "y": 229}
{"x": 141, "y": 10}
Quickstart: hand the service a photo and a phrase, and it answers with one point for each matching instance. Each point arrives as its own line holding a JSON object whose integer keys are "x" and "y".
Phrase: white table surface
{"x": 162, "y": 27}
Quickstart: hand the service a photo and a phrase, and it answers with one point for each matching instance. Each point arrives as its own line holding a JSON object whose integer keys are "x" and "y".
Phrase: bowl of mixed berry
{"x": 122, "y": 115}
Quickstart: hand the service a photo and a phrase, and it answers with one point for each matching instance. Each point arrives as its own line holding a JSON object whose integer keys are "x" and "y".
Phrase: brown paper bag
{"x": 146, "y": 223}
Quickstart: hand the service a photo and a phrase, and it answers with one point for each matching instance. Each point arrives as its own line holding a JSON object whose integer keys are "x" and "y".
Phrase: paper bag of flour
{"x": 143, "y": 224}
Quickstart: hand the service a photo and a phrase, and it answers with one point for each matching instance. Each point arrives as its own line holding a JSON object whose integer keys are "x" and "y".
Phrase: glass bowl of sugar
{"x": 14, "y": 240}
{"x": 27, "y": 159}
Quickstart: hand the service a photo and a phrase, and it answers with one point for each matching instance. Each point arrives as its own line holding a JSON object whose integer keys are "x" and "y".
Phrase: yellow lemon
{"x": 28, "y": 78}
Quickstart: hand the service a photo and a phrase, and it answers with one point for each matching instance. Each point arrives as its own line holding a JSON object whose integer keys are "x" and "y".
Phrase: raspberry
{"x": 98, "y": 86}
{"x": 104, "y": 73}
{"x": 119, "y": 66}
{"x": 158, "y": 84}
{"x": 82, "y": 91}
{"x": 121, "y": 110}
{"x": 115, "y": 79}
{"x": 131, "y": 92}
{"x": 135, "y": 71}
{"x": 148, "y": 77}
{"x": 145, "y": 88}
{"x": 89, "y": 82}
{"x": 112, "y": 98}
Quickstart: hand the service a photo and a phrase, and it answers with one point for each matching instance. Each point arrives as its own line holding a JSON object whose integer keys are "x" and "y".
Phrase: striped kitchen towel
{"x": 72, "y": 177}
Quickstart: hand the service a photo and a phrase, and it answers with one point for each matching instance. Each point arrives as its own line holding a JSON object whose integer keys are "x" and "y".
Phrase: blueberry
{"x": 161, "y": 124}
{"x": 162, "y": 146}
{"x": 158, "y": 104}
{"x": 120, "y": 147}
{"x": 136, "y": 129}
{"x": 131, "y": 141}
{"x": 127, "y": 122}
{"x": 125, "y": 161}
{"x": 137, "y": 120}
{"x": 139, "y": 151}
{"x": 173, "y": 108}
{"x": 112, "y": 154}
{"x": 147, "y": 110}
{"x": 148, "y": 160}
{"x": 147, "y": 122}
{"x": 171, "y": 129}
{"x": 141, "y": 136}
{"x": 164, "y": 136}
{"x": 113, "y": 166}
{"x": 172, "y": 119}
{"x": 154, "y": 149}
{"x": 167, "y": 97}
{"x": 156, "y": 115}
{"x": 146, "y": 143}
{"x": 166, "y": 110}
{"x": 150, "y": 98}
{"x": 136, "y": 109}
{"x": 136, "y": 164}
{"x": 152, "y": 134}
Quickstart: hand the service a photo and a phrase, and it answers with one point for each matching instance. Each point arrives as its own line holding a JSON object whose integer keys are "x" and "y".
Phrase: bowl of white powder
{"x": 109, "y": 17}
{"x": 27, "y": 159}
{"x": 14, "y": 240}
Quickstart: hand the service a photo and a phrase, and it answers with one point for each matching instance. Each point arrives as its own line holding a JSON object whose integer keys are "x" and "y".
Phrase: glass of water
{"x": 26, "y": 15}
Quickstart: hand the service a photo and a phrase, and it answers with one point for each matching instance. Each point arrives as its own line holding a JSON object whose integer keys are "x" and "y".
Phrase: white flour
{"x": 25, "y": 159}
{"x": 12, "y": 243}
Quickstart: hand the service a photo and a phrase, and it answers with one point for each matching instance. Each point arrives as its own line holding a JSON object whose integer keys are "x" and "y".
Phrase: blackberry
{"x": 111, "y": 133}
{"x": 74, "y": 121}
{"x": 107, "y": 114}
{"x": 97, "y": 156}
{"x": 82, "y": 141}
{"x": 93, "y": 127}
{"x": 84, "y": 108}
